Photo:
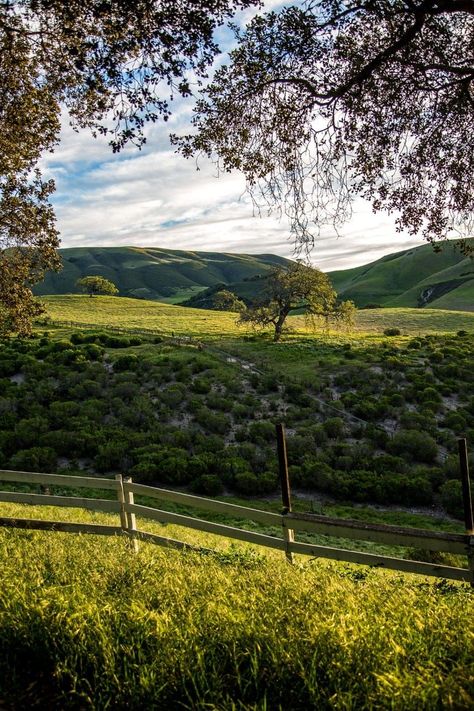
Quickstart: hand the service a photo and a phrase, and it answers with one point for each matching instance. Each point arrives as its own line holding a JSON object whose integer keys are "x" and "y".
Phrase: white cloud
{"x": 154, "y": 197}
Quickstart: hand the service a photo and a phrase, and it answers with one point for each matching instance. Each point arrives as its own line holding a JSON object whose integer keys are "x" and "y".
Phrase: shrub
{"x": 451, "y": 498}
{"x": 455, "y": 422}
{"x": 61, "y": 345}
{"x": 201, "y": 386}
{"x": 115, "y": 454}
{"x": 334, "y": 427}
{"x": 396, "y": 400}
{"x": 392, "y": 332}
{"x": 414, "y": 445}
{"x": 267, "y": 482}
{"x": 386, "y": 463}
{"x": 173, "y": 395}
{"x": 115, "y": 341}
{"x": 208, "y": 484}
{"x": 217, "y": 423}
{"x": 246, "y": 483}
{"x": 35, "y": 459}
{"x": 125, "y": 362}
{"x": 261, "y": 431}
{"x": 92, "y": 351}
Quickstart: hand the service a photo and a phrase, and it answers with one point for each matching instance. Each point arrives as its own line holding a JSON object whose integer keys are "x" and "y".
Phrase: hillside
{"x": 152, "y": 273}
{"x": 414, "y": 278}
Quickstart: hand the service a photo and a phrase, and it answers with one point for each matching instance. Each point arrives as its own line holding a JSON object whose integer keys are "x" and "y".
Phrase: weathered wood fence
{"x": 288, "y": 522}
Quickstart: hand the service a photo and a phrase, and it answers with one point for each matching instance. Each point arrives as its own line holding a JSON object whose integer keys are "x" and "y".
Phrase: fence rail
{"x": 124, "y": 505}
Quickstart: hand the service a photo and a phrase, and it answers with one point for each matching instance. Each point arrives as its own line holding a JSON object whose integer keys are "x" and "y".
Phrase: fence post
{"x": 467, "y": 503}
{"x": 121, "y": 500}
{"x": 288, "y": 533}
{"x": 131, "y": 518}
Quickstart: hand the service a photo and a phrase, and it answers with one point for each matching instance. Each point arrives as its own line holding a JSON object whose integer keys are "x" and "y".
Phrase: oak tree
{"x": 296, "y": 287}
{"x": 114, "y": 66}
{"x": 94, "y": 285}
{"x": 342, "y": 98}
{"x": 225, "y": 300}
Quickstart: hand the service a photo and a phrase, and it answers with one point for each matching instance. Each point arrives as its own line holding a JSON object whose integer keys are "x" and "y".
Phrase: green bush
{"x": 201, "y": 386}
{"x": 115, "y": 341}
{"x": 35, "y": 459}
{"x": 334, "y": 427}
{"x": 208, "y": 484}
{"x": 246, "y": 483}
{"x": 262, "y": 431}
{"x": 415, "y": 445}
{"x": 451, "y": 498}
{"x": 126, "y": 362}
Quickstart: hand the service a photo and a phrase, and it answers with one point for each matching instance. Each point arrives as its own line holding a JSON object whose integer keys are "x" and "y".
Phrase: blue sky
{"x": 154, "y": 197}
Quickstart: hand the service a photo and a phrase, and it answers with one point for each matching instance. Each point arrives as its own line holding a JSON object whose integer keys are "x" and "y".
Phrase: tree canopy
{"x": 225, "y": 300}
{"x": 94, "y": 285}
{"x": 297, "y": 286}
{"x": 115, "y": 66}
{"x": 341, "y": 98}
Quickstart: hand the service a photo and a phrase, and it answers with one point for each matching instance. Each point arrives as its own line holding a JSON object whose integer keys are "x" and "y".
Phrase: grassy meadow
{"x": 87, "y": 624}
{"x": 103, "y": 311}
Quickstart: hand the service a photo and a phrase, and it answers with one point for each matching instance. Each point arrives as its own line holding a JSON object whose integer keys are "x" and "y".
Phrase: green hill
{"x": 416, "y": 277}
{"x": 152, "y": 273}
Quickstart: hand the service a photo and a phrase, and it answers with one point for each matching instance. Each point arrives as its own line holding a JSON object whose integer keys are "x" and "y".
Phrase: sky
{"x": 156, "y": 198}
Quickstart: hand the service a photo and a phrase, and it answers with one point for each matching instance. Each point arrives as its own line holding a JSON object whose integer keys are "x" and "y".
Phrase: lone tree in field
{"x": 340, "y": 98}
{"x": 94, "y": 285}
{"x": 292, "y": 288}
{"x": 114, "y": 66}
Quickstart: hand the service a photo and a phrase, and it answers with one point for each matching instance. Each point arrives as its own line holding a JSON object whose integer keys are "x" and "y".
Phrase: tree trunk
{"x": 279, "y": 326}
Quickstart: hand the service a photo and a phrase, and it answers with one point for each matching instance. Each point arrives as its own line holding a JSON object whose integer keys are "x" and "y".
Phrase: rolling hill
{"x": 152, "y": 273}
{"x": 413, "y": 278}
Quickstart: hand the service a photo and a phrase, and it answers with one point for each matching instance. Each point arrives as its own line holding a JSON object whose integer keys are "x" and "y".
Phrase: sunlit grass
{"x": 167, "y": 319}
{"x": 85, "y": 623}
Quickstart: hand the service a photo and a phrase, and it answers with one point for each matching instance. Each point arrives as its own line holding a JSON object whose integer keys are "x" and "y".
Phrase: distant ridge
{"x": 153, "y": 273}
{"x": 416, "y": 277}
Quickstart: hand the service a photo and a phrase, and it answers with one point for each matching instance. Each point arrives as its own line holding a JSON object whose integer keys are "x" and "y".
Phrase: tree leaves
{"x": 336, "y": 99}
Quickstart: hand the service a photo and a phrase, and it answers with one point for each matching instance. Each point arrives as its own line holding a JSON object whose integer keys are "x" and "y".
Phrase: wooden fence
{"x": 123, "y": 504}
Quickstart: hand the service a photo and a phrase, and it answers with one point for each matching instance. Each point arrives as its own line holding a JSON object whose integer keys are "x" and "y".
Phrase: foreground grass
{"x": 84, "y": 624}
{"x": 168, "y": 319}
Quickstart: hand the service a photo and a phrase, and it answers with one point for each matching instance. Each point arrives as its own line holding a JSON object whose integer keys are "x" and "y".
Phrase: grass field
{"x": 168, "y": 319}
{"x": 86, "y": 624}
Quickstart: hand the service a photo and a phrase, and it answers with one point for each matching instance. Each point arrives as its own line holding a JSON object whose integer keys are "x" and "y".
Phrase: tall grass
{"x": 86, "y": 624}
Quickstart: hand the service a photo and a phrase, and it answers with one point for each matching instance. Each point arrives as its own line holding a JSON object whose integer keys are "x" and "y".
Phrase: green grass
{"x": 86, "y": 624}
{"x": 137, "y": 314}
